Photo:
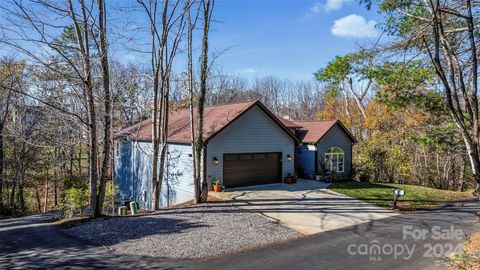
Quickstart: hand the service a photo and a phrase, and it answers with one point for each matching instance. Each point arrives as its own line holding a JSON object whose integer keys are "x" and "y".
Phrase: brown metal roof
{"x": 216, "y": 118}
{"x": 313, "y": 131}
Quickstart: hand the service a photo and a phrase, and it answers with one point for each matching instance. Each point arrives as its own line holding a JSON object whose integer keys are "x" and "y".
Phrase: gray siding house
{"x": 325, "y": 144}
{"x": 245, "y": 144}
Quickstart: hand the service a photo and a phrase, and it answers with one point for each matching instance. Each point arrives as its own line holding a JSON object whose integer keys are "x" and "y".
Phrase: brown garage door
{"x": 251, "y": 169}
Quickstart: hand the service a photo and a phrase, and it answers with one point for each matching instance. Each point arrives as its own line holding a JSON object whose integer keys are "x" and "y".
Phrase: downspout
{"x": 351, "y": 159}
{"x": 166, "y": 176}
{"x": 133, "y": 171}
{"x": 294, "y": 155}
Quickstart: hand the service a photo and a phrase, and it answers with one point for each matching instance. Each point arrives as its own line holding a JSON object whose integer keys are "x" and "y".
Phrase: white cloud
{"x": 331, "y": 5}
{"x": 354, "y": 26}
{"x": 249, "y": 70}
{"x": 316, "y": 8}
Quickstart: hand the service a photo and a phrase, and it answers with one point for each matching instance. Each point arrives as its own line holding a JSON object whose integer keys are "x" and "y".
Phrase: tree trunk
{"x": 83, "y": 42}
{"x": 70, "y": 169}
{"x": 163, "y": 135}
{"x": 1, "y": 166}
{"x": 207, "y": 12}
{"x": 79, "y": 161}
{"x": 21, "y": 198}
{"x": 55, "y": 192}
{"x": 45, "y": 202}
{"x": 475, "y": 165}
{"x": 108, "y": 120}
{"x": 190, "y": 85}
{"x": 155, "y": 144}
{"x": 461, "y": 178}
{"x": 37, "y": 197}
{"x": 2, "y": 153}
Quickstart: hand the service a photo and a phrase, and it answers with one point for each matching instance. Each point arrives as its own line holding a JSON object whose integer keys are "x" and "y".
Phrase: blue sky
{"x": 289, "y": 39}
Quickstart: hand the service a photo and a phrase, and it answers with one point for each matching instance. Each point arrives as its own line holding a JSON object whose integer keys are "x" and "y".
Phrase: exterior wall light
{"x": 289, "y": 157}
{"x": 215, "y": 160}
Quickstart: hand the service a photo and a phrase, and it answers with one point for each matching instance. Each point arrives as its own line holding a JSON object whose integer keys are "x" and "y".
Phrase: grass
{"x": 381, "y": 194}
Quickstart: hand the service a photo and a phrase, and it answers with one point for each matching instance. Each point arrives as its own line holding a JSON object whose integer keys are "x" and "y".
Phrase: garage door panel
{"x": 251, "y": 169}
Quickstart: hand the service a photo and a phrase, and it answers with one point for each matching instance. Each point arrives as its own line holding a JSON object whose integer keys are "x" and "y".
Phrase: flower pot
{"x": 317, "y": 177}
{"x": 288, "y": 179}
{"x": 217, "y": 188}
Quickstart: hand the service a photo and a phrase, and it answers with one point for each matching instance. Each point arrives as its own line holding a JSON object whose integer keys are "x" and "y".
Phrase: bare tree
{"x": 190, "y": 85}
{"x": 207, "y": 9}
{"x": 82, "y": 31}
{"x": 67, "y": 59}
{"x": 107, "y": 140}
{"x": 10, "y": 72}
{"x": 166, "y": 29}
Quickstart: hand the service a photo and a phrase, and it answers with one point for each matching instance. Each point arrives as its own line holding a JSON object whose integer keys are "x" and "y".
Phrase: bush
{"x": 111, "y": 199}
{"x": 75, "y": 200}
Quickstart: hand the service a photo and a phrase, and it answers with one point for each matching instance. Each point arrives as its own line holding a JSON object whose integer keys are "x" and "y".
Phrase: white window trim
{"x": 337, "y": 155}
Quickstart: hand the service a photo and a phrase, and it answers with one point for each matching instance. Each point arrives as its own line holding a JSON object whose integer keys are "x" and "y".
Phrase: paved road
{"x": 29, "y": 243}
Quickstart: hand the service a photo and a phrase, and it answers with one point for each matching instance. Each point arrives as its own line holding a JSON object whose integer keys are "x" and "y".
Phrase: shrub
{"x": 111, "y": 198}
{"x": 75, "y": 200}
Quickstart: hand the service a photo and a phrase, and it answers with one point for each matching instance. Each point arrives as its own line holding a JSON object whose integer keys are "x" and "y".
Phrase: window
{"x": 334, "y": 159}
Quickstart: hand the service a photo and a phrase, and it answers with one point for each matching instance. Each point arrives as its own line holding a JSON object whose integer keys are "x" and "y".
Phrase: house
{"x": 323, "y": 143}
{"x": 245, "y": 144}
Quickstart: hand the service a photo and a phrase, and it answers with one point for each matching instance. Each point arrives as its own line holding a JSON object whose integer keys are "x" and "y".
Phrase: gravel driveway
{"x": 192, "y": 232}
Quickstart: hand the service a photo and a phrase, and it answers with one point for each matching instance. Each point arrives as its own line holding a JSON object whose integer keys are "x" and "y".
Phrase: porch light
{"x": 215, "y": 160}
{"x": 289, "y": 157}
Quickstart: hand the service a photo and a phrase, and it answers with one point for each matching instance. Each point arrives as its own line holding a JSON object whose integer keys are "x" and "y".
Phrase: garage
{"x": 251, "y": 169}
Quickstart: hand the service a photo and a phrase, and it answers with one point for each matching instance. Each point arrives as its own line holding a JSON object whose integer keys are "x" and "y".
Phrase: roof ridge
{"x": 216, "y": 105}
{"x": 232, "y": 103}
{"x": 323, "y": 120}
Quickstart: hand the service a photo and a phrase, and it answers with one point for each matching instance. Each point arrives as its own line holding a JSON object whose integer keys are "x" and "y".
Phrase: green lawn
{"x": 382, "y": 194}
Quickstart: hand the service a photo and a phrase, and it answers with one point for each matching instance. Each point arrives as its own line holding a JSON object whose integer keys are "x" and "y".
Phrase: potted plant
{"x": 217, "y": 186}
{"x": 318, "y": 176}
{"x": 289, "y": 178}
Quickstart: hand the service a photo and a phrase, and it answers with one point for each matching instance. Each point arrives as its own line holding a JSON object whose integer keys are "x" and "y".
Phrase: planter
{"x": 318, "y": 177}
{"x": 289, "y": 180}
{"x": 217, "y": 188}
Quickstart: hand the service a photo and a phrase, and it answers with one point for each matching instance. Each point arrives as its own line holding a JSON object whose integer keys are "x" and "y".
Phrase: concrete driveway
{"x": 307, "y": 206}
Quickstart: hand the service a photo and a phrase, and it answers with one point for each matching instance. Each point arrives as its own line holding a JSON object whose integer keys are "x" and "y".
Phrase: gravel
{"x": 192, "y": 232}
